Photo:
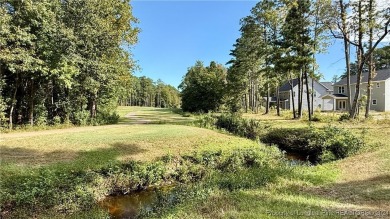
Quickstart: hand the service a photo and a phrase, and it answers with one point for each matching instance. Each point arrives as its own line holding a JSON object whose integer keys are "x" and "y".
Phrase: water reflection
{"x": 128, "y": 206}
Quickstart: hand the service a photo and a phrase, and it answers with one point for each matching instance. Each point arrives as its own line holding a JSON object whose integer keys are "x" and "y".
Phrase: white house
{"x": 380, "y": 96}
{"x": 286, "y": 96}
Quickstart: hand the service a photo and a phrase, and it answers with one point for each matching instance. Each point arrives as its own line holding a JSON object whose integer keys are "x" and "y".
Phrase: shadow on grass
{"x": 370, "y": 198}
{"x": 373, "y": 192}
{"x": 100, "y": 156}
{"x": 32, "y": 189}
{"x": 154, "y": 120}
{"x": 255, "y": 204}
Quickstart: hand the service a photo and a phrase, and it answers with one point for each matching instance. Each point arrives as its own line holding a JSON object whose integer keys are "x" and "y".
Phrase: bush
{"x": 206, "y": 121}
{"x": 81, "y": 117}
{"x": 41, "y": 121}
{"x": 249, "y": 128}
{"x": 344, "y": 117}
{"x": 56, "y": 120}
{"x": 107, "y": 118}
{"x": 321, "y": 145}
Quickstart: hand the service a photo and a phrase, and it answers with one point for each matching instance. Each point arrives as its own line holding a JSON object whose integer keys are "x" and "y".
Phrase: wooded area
{"x": 279, "y": 42}
{"x": 143, "y": 91}
{"x": 64, "y": 61}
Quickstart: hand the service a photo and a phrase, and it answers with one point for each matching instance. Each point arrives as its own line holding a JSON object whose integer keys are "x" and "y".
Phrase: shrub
{"x": 342, "y": 142}
{"x": 321, "y": 145}
{"x": 81, "y": 117}
{"x": 344, "y": 117}
{"x": 206, "y": 121}
{"x": 249, "y": 128}
{"x": 41, "y": 121}
{"x": 107, "y": 118}
{"x": 56, "y": 120}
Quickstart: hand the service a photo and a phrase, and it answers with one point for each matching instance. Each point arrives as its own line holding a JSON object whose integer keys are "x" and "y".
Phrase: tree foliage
{"x": 62, "y": 57}
{"x": 278, "y": 42}
{"x": 143, "y": 91}
{"x": 203, "y": 87}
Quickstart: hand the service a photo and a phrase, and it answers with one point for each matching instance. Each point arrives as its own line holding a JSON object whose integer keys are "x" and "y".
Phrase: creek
{"x": 128, "y": 206}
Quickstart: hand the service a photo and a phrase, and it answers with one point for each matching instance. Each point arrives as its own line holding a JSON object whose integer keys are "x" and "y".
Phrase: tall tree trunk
{"x": 307, "y": 93}
{"x": 355, "y": 106}
{"x": 250, "y": 92}
{"x": 347, "y": 52}
{"x": 246, "y": 102}
{"x": 292, "y": 96}
{"x": 371, "y": 68}
{"x": 299, "y": 97}
{"x": 92, "y": 108}
{"x": 257, "y": 97}
{"x": 300, "y": 93}
{"x": 253, "y": 97}
{"x": 31, "y": 104}
{"x": 277, "y": 100}
{"x": 66, "y": 106}
{"x": 13, "y": 102}
{"x": 267, "y": 101}
{"x": 312, "y": 96}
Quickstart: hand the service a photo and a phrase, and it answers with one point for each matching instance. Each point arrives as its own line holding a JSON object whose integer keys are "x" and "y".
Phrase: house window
{"x": 294, "y": 94}
{"x": 374, "y": 102}
{"x": 341, "y": 90}
{"x": 315, "y": 94}
{"x": 378, "y": 85}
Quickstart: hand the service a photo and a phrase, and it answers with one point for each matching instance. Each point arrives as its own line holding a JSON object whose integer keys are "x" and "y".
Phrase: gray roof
{"x": 273, "y": 99}
{"x": 286, "y": 86}
{"x": 381, "y": 75}
{"x": 328, "y": 85}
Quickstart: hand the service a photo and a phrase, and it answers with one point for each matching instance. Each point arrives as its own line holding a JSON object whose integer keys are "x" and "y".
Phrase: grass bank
{"x": 354, "y": 187}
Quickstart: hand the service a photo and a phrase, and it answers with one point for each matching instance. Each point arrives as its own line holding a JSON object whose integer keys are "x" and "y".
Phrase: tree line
{"x": 64, "y": 59}
{"x": 143, "y": 91}
{"x": 279, "y": 41}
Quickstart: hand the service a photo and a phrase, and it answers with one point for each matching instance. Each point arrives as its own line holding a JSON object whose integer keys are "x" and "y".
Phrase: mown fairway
{"x": 101, "y": 144}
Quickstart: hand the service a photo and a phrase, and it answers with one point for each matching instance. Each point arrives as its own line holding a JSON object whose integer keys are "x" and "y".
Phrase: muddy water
{"x": 296, "y": 156}
{"x": 128, "y": 206}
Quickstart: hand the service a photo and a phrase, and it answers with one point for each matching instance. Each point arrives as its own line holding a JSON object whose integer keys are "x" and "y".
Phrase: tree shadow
{"x": 368, "y": 198}
{"x": 34, "y": 157}
{"x": 373, "y": 192}
{"x": 248, "y": 204}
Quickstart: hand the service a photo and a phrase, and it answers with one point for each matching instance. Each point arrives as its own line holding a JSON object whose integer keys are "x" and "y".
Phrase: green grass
{"x": 147, "y": 115}
{"x": 136, "y": 142}
{"x": 355, "y": 184}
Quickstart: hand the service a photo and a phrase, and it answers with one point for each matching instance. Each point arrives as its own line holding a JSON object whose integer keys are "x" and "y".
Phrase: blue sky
{"x": 174, "y": 34}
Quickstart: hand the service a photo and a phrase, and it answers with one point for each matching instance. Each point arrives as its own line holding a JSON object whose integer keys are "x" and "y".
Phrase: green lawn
{"x": 145, "y": 115}
{"x": 101, "y": 144}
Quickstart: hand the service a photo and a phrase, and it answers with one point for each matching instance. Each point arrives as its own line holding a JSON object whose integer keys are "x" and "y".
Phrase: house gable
{"x": 381, "y": 75}
{"x": 380, "y": 96}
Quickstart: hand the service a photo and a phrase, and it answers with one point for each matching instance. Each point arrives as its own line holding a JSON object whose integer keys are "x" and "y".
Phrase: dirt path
{"x": 135, "y": 119}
